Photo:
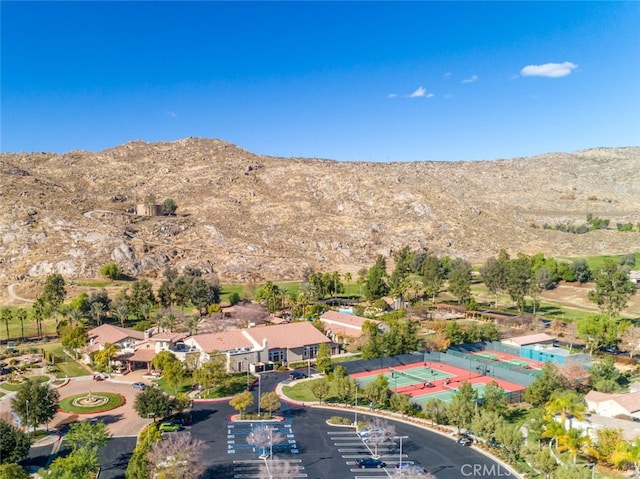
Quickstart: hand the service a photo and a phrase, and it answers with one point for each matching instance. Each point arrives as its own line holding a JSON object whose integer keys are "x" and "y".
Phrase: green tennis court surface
{"x": 406, "y": 377}
{"x": 518, "y": 362}
{"x": 487, "y": 355}
{"x": 447, "y": 395}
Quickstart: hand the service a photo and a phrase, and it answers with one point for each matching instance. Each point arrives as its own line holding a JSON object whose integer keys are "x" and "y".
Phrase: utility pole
{"x": 400, "y": 456}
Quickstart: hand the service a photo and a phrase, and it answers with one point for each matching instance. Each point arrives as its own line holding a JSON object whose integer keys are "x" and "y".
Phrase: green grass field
{"x": 596, "y": 262}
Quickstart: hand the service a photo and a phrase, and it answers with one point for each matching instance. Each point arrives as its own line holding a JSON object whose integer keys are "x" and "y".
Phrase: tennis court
{"x": 404, "y": 378}
{"x": 447, "y": 395}
{"x": 508, "y": 359}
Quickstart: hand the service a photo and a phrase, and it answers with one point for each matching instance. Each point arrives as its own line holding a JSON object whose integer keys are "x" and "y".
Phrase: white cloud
{"x": 419, "y": 93}
{"x": 471, "y": 79}
{"x": 392, "y": 95}
{"x": 447, "y": 75}
{"x": 172, "y": 114}
{"x": 430, "y": 95}
{"x": 549, "y": 70}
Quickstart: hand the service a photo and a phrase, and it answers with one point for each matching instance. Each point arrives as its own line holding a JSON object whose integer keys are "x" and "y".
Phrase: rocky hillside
{"x": 242, "y": 215}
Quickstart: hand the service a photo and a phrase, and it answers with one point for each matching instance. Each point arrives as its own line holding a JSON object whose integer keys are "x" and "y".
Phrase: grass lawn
{"x": 114, "y": 401}
{"x": 236, "y": 384}
{"x": 14, "y": 387}
{"x": 596, "y": 262}
{"x": 66, "y": 365}
{"x": 185, "y": 387}
{"x": 301, "y": 391}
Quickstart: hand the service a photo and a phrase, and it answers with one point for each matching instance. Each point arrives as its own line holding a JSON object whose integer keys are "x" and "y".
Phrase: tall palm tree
{"x": 97, "y": 311}
{"x": 76, "y": 316}
{"x": 6, "y": 315}
{"x": 347, "y": 278}
{"x": 21, "y": 315}
{"x": 121, "y": 312}
{"x": 191, "y": 322}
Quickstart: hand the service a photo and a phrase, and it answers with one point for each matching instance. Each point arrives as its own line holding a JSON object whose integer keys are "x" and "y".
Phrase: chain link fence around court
{"x": 453, "y": 357}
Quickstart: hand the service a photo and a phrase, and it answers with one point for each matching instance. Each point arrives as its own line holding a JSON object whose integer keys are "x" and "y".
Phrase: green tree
{"x": 454, "y": 332}
{"x": 519, "y": 275}
{"x": 543, "y": 386}
{"x": 375, "y": 286}
{"x": 212, "y": 373}
{"x": 581, "y": 271}
{"x": 121, "y": 313}
{"x": 485, "y": 423}
{"x": 81, "y": 463}
{"x": 572, "y": 472}
{"x": 511, "y": 439}
{"x": 241, "y": 402}
{"x": 604, "y": 376}
{"x": 598, "y": 331}
{"x": 495, "y": 273}
{"x": 234, "y": 298}
{"x": 12, "y": 471}
{"x": 178, "y": 456}
{"x": 85, "y": 434}
{"x": 628, "y": 453}
{"x": 270, "y": 401}
{"x": 14, "y": 443}
{"x": 568, "y": 404}
{"x": 543, "y": 461}
{"x": 152, "y": 402}
{"x": 436, "y": 410}
{"x": 463, "y": 406}
{"x": 169, "y": 207}
{"x": 35, "y": 403}
{"x": 323, "y": 360}
{"x": 6, "y": 315}
{"x": 174, "y": 374}
{"x": 433, "y": 275}
{"x": 75, "y": 338}
{"x": 377, "y": 391}
{"x": 21, "y": 315}
{"x": 141, "y": 294}
{"x": 607, "y": 444}
{"x": 372, "y": 341}
{"x": 460, "y": 279}
{"x": 494, "y": 398}
{"x": 103, "y": 357}
{"x": 111, "y": 271}
{"x": 320, "y": 388}
{"x": 138, "y": 467}
{"x": 613, "y": 288}
{"x": 271, "y": 295}
{"x": 54, "y": 292}
{"x": 400, "y": 403}
{"x": 345, "y": 387}
{"x": 573, "y": 441}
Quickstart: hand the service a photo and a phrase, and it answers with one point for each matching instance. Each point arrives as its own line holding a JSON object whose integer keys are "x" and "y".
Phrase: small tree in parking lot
{"x": 241, "y": 402}
{"x": 270, "y": 401}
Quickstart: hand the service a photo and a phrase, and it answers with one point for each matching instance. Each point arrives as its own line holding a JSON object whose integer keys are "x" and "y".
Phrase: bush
{"x": 340, "y": 420}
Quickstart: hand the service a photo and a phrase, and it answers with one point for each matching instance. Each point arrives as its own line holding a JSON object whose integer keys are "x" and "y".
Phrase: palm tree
{"x": 567, "y": 403}
{"x": 573, "y": 441}
{"x": 628, "y": 453}
{"x": 121, "y": 313}
{"x": 347, "y": 278}
{"x": 75, "y": 316}
{"x": 97, "y": 311}
{"x": 191, "y": 322}
{"x": 6, "y": 315}
{"x": 145, "y": 311}
{"x": 21, "y": 315}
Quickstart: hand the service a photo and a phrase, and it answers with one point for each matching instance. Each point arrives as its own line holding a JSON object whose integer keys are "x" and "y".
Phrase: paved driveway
{"x": 121, "y": 421}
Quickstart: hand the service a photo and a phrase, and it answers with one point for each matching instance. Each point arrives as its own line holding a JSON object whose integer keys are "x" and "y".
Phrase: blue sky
{"x": 366, "y": 81}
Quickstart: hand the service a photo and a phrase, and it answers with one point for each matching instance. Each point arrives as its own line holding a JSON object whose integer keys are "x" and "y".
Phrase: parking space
{"x": 238, "y": 434}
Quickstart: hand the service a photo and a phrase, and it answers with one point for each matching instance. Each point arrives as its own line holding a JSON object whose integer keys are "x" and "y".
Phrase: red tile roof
{"x": 108, "y": 333}
{"x": 224, "y": 341}
{"x": 287, "y": 336}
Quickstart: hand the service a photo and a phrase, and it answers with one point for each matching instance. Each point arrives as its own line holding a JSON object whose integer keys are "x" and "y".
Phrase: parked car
{"x": 169, "y": 426}
{"x": 410, "y": 467}
{"x": 139, "y": 386}
{"x": 465, "y": 441}
{"x": 493, "y": 443}
{"x": 297, "y": 375}
{"x": 369, "y": 462}
{"x": 368, "y": 434}
{"x": 99, "y": 377}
